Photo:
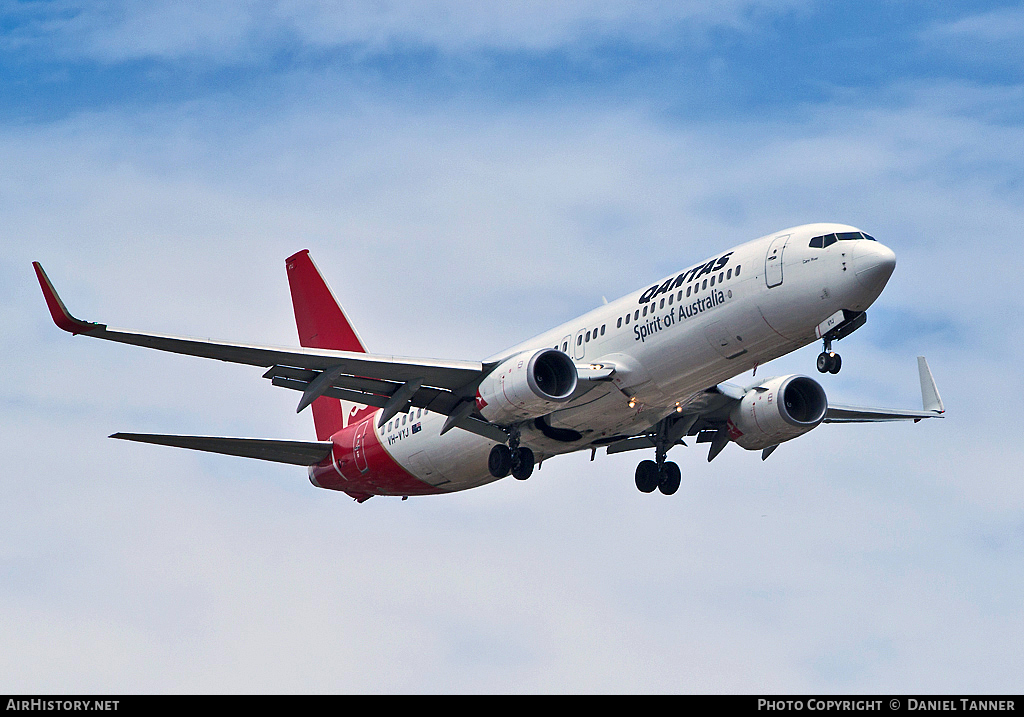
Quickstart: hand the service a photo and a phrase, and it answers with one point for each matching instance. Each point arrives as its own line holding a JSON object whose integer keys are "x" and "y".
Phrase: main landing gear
{"x": 511, "y": 458}
{"x": 828, "y": 360}
{"x": 659, "y": 473}
{"x": 666, "y": 477}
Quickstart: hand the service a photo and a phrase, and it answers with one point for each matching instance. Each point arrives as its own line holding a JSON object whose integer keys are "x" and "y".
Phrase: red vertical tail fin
{"x": 322, "y": 324}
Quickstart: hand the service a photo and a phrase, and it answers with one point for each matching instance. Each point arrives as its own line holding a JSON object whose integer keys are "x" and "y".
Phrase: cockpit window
{"x": 830, "y": 239}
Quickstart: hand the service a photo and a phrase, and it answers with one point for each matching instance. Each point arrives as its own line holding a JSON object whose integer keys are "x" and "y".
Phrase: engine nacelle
{"x": 528, "y": 385}
{"x": 778, "y": 410}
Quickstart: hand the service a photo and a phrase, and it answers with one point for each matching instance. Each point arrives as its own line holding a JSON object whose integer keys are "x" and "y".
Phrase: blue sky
{"x": 60, "y": 58}
{"x": 468, "y": 174}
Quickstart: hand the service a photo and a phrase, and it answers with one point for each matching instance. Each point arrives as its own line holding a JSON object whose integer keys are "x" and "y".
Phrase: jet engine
{"x": 528, "y": 385}
{"x": 778, "y": 410}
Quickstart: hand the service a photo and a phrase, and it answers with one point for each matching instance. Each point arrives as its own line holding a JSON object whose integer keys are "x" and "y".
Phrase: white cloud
{"x": 240, "y": 31}
{"x": 992, "y": 38}
{"x": 1002, "y": 24}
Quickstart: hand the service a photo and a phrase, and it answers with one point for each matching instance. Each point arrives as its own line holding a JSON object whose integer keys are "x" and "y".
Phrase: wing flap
{"x": 299, "y": 453}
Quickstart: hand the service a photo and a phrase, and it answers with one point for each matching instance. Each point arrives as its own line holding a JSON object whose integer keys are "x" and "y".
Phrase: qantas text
{"x": 688, "y": 275}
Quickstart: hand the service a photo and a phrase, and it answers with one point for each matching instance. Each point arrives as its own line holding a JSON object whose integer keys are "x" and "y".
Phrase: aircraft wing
{"x": 931, "y": 405}
{"x": 437, "y": 385}
{"x": 860, "y": 414}
{"x": 706, "y": 414}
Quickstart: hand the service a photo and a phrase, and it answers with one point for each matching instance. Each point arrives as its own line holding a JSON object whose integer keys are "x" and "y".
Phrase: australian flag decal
{"x": 417, "y": 427}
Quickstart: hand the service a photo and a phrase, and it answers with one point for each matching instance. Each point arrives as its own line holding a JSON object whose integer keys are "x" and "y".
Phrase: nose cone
{"x": 873, "y": 264}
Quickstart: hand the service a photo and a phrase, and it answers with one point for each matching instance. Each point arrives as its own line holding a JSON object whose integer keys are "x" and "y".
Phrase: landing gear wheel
{"x": 647, "y": 478}
{"x": 837, "y": 363}
{"x": 823, "y": 362}
{"x": 499, "y": 463}
{"x": 829, "y": 362}
{"x": 522, "y": 464}
{"x": 670, "y": 478}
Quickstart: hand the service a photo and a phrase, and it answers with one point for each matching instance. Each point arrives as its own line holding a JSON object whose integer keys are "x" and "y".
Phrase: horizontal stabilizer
{"x": 299, "y": 453}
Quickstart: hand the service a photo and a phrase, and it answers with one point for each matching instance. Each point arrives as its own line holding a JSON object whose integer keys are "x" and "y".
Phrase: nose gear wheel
{"x": 829, "y": 362}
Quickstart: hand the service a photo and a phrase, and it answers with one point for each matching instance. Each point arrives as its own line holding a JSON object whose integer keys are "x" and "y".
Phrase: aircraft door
{"x": 359, "y": 447}
{"x": 579, "y": 346}
{"x": 773, "y": 261}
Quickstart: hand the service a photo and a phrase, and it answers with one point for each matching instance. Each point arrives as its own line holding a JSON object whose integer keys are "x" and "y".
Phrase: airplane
{"x": 643, "y": 372}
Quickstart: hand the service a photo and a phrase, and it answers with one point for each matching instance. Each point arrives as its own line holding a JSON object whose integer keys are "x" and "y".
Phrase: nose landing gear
{"x": 829, "y": 361}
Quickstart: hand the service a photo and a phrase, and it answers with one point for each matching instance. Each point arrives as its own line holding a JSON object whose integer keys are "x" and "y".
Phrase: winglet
{"x": 930, "y": 397}
{"x": 61, "y": 316}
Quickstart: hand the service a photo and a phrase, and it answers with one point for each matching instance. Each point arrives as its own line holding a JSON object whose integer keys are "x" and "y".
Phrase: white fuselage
{"x": 701, "y": 327}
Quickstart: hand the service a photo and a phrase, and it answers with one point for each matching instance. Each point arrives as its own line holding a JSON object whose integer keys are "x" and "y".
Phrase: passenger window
{"x": 636, "y": 314}
{"x": 628, "y": 317}
{"x": 565, "y": 346}
{"x": 618, "y": 324}
{"x": 602, "y": 329}
{"x": 662, "y": 306}
{"x": 688, "y": 290}
{"x": 679, "y": 296}
{"x": 403, "y": 419}
{"x": 670, "y": 297}
{"x": 704, "y": 285}
{"x": 720, "y": 275}
{"x": 645, "y": 311}
{"x": 728, "y": 274}
{"x": 712, "y": 280}
{"x": 737, "y": 270}
{"x": 588, "y": 337}
{"x": 579, "y": 340}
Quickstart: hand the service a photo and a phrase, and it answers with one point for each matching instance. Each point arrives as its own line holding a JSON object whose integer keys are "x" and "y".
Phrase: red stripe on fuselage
{"x": 356, "y": 449}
